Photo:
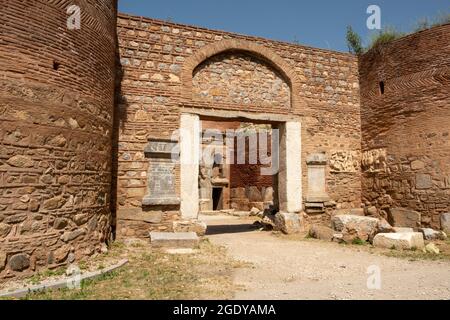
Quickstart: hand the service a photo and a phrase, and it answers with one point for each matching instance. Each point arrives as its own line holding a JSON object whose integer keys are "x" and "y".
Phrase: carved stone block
{"x": 374, "y": 160}
{"x": 344, "y": 161}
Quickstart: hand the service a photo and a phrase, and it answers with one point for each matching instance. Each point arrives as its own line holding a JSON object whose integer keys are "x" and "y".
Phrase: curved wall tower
{"x": 405, "y": 120}
{"x": 56, "y": 119}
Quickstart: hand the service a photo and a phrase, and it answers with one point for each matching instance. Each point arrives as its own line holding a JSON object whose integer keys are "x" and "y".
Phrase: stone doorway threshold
{"x": 227, "y": 223}
{"x": 226, "y": 212}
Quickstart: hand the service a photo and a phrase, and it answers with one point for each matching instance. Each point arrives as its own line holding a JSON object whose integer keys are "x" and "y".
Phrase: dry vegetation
{"x": 151, "y": 274}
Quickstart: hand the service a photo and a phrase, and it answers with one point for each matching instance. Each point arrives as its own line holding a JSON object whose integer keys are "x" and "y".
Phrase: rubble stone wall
{"x": 56, "y": 115}
{"x": 405, "y": 130}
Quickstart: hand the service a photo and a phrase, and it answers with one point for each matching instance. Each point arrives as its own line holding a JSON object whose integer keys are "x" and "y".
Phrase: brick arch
{"x": 257, "y": 50}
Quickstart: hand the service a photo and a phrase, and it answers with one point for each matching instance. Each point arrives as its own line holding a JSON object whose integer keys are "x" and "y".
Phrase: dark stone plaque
{"x": 161, "y": 177}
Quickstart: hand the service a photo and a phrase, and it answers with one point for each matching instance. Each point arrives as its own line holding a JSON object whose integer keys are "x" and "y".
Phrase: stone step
{"x": 314, "y": 204}
{"x": 174, "y": 239}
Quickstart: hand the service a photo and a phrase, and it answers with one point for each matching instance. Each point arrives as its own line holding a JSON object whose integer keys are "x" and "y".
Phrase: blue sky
{"x": 317, "y": 23}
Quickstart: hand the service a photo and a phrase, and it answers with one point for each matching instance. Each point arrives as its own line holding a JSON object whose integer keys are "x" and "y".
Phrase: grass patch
{"x": 390, "y": 33}
{"x": 42, "y": 275}
{"x": 359, "y": 242}
{"x": 416, "y": 254}
{"x": 386, "y": 35}
{"x": 206, "y": 274}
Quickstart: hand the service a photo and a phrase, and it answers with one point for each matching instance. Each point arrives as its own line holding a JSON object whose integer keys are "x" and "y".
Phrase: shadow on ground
{"x": 229, "y": 228}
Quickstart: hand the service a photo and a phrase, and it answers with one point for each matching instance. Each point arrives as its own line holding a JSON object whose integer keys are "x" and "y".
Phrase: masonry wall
{"x": 406, "y": 130}
{"x": 56, "y": 115}
{"x": 159, "y": 60}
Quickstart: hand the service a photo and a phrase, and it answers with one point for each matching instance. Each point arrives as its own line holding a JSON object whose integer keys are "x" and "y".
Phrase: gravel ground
{"x": 286, "y": 269}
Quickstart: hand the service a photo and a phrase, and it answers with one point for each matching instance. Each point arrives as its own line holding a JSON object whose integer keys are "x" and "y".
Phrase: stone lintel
{"x": 243, "y": 115}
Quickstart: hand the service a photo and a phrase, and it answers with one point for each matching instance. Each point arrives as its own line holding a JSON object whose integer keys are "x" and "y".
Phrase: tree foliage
{"x": 354, "y": 41}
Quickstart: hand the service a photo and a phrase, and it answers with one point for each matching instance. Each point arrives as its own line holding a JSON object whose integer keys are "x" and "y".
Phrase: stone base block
{"x": 174, "y": 240}
{"x": 199, "y": 227}
{"x": 353, "y": 227}
{"x": 406, "y": 240}
{"x": 321, "y": 232}
{"x": 287, "y": 223}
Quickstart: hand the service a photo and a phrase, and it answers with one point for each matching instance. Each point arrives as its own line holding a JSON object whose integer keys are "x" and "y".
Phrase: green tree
{"x": 354, "y": 41}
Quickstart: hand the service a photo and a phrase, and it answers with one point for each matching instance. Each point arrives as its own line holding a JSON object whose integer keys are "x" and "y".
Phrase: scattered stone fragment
{"x": 372, "y": 211}
{"x": 254, "y": 211}
{"x": 405, "y": 240}
{"x": 353, "y": 227}
{"x": 338, "y": 237}
{"x": 287, "y": 223}
{"x": 404, "y": 217}
{"x": 321, "y": 232}
{"x": 384, "y": 226}
{"x": 432, "y": 248}
{"x": 445, "y": 222}
{"x": 430, "y": 234}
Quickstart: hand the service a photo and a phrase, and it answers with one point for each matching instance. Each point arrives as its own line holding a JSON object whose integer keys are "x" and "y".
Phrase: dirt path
{"x": 287, "y": 269}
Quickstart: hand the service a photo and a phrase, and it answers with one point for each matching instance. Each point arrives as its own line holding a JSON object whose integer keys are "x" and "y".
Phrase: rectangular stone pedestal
{"x": 174, "y": 239}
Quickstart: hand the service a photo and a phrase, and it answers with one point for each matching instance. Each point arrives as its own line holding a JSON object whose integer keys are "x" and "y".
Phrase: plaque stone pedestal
{"x": 161, "y": 178}
{"x": 317, "y": 196}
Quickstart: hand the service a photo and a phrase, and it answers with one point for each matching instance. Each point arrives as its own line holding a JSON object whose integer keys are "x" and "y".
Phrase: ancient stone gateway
{"x": 86, "y": 142}
{"x": 225, "y": 79}
{"x": 196, "y": 93}
{"x": 289, "y": 175}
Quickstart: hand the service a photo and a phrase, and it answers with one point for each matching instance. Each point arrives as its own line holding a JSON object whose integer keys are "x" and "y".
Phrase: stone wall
{"x": 238, "y": 78}
{"x": 159, "y": 60}
{"x": 56, "y": 115}
{"x": 405, "y": 130}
